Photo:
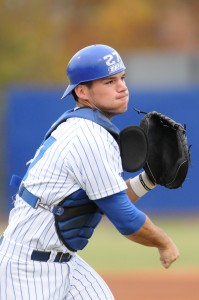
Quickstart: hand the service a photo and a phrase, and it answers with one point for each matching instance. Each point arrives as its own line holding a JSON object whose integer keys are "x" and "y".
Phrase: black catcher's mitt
{"x": 169, "y": 156}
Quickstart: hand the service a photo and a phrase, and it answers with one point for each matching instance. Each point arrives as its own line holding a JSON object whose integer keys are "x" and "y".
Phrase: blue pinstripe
{"x": 34, "y": 279}
{"x": 27, "y": 282}
{"x": 20, "y": 285}
{"x": 98, "y": 169}
{"x": 12, "y": 279}
{"x": 92, "y": 288}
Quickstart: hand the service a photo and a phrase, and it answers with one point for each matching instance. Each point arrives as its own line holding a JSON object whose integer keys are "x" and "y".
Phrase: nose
{"x": 122, "y": 85}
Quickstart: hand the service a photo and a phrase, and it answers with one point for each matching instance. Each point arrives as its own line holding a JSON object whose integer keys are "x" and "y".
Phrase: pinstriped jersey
{"x": 82, "y": 155}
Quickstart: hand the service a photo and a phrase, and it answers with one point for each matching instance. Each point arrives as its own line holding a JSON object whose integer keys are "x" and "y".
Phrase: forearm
{"x": 152, "y": 236}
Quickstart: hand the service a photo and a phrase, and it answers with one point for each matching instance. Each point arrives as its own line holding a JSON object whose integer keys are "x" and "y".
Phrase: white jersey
{"x": 84, "y": 156}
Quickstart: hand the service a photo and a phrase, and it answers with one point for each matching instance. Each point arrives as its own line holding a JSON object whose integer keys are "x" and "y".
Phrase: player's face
{"x": 110, "y": 95}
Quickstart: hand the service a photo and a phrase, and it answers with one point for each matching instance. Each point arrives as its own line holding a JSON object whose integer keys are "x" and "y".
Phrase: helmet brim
{"x": 69, "y": 90}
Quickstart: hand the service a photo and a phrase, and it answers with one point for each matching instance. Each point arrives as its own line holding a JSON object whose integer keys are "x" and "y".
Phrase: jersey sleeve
{"x": 122, "y": 213}
{"x": 94, "y": 160}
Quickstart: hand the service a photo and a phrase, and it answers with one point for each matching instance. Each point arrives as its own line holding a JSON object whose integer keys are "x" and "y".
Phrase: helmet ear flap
{"x": 91, "y": 63}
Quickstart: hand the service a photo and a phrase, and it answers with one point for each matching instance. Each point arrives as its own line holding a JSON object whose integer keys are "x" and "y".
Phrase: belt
{"x": 44, "y": 256}
{"x": 14, "y": 250}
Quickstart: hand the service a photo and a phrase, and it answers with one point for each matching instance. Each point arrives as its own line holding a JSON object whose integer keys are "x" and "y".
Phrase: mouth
{"x": 123, "y": 97}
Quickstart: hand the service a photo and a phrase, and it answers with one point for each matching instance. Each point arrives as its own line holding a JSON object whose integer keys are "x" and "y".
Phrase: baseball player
{"x": 73, "y": 180}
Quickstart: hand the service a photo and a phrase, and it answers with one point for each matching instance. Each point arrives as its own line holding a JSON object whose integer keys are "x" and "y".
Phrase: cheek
{"x": 103, "y": 98}
{"x": 106, "y": 101}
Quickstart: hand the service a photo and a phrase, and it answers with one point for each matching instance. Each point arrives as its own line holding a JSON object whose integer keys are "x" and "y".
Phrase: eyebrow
{"x": 112, "y": 77}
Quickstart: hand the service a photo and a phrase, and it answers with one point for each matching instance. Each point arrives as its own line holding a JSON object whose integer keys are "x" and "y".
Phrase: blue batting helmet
{"x": 91, "y": 63}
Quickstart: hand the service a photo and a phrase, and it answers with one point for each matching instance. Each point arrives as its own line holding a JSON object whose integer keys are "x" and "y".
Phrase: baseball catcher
{"x": 169, "y": 154}
{"x": 76, "y": 177}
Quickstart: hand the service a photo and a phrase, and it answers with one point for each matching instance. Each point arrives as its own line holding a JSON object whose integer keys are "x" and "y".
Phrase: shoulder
{"x": 84, "y": 127}
{"x": 90, "y": 135}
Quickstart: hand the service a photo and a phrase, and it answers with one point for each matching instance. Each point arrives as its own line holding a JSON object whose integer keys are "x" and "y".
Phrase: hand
{"x": 168, "y": 255}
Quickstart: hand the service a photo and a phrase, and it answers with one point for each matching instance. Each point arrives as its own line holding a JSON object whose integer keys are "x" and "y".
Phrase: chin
{"x": 122, "y": 111}
{"x": 124, "y": 107}
{"x": 119, "y": 112}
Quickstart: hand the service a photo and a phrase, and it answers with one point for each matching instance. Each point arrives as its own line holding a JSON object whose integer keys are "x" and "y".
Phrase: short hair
{"x": 87, "y": 83}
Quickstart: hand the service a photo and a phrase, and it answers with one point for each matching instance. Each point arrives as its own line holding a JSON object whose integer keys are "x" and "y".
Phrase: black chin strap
{"x": 140, "y": 111}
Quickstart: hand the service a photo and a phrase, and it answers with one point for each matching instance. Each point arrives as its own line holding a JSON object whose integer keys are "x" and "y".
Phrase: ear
{"x": 82, "y": 92}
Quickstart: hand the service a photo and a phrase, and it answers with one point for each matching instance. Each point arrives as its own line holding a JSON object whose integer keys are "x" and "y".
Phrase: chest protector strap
{"x": 89, "y": 114}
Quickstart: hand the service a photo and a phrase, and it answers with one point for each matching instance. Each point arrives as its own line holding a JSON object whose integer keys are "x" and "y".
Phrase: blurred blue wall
{"x": 31, "y": 111}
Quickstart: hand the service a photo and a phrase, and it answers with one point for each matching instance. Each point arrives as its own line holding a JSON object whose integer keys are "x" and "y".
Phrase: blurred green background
{"x": 37, "y": 38}
{"x": 109, "y": 251}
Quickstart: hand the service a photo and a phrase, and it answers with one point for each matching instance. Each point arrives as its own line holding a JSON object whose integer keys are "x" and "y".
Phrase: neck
{"x": 85, "y": 103}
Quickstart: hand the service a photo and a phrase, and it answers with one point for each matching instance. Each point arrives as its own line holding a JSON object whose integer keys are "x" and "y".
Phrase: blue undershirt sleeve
{"x": 122, "y": 213}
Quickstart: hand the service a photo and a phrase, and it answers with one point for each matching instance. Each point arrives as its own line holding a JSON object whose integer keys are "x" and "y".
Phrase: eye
{"x": 110, "y": 81}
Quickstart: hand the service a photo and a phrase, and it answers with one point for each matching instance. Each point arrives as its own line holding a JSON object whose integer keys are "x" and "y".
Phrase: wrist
{"x": 141, "y": 184}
